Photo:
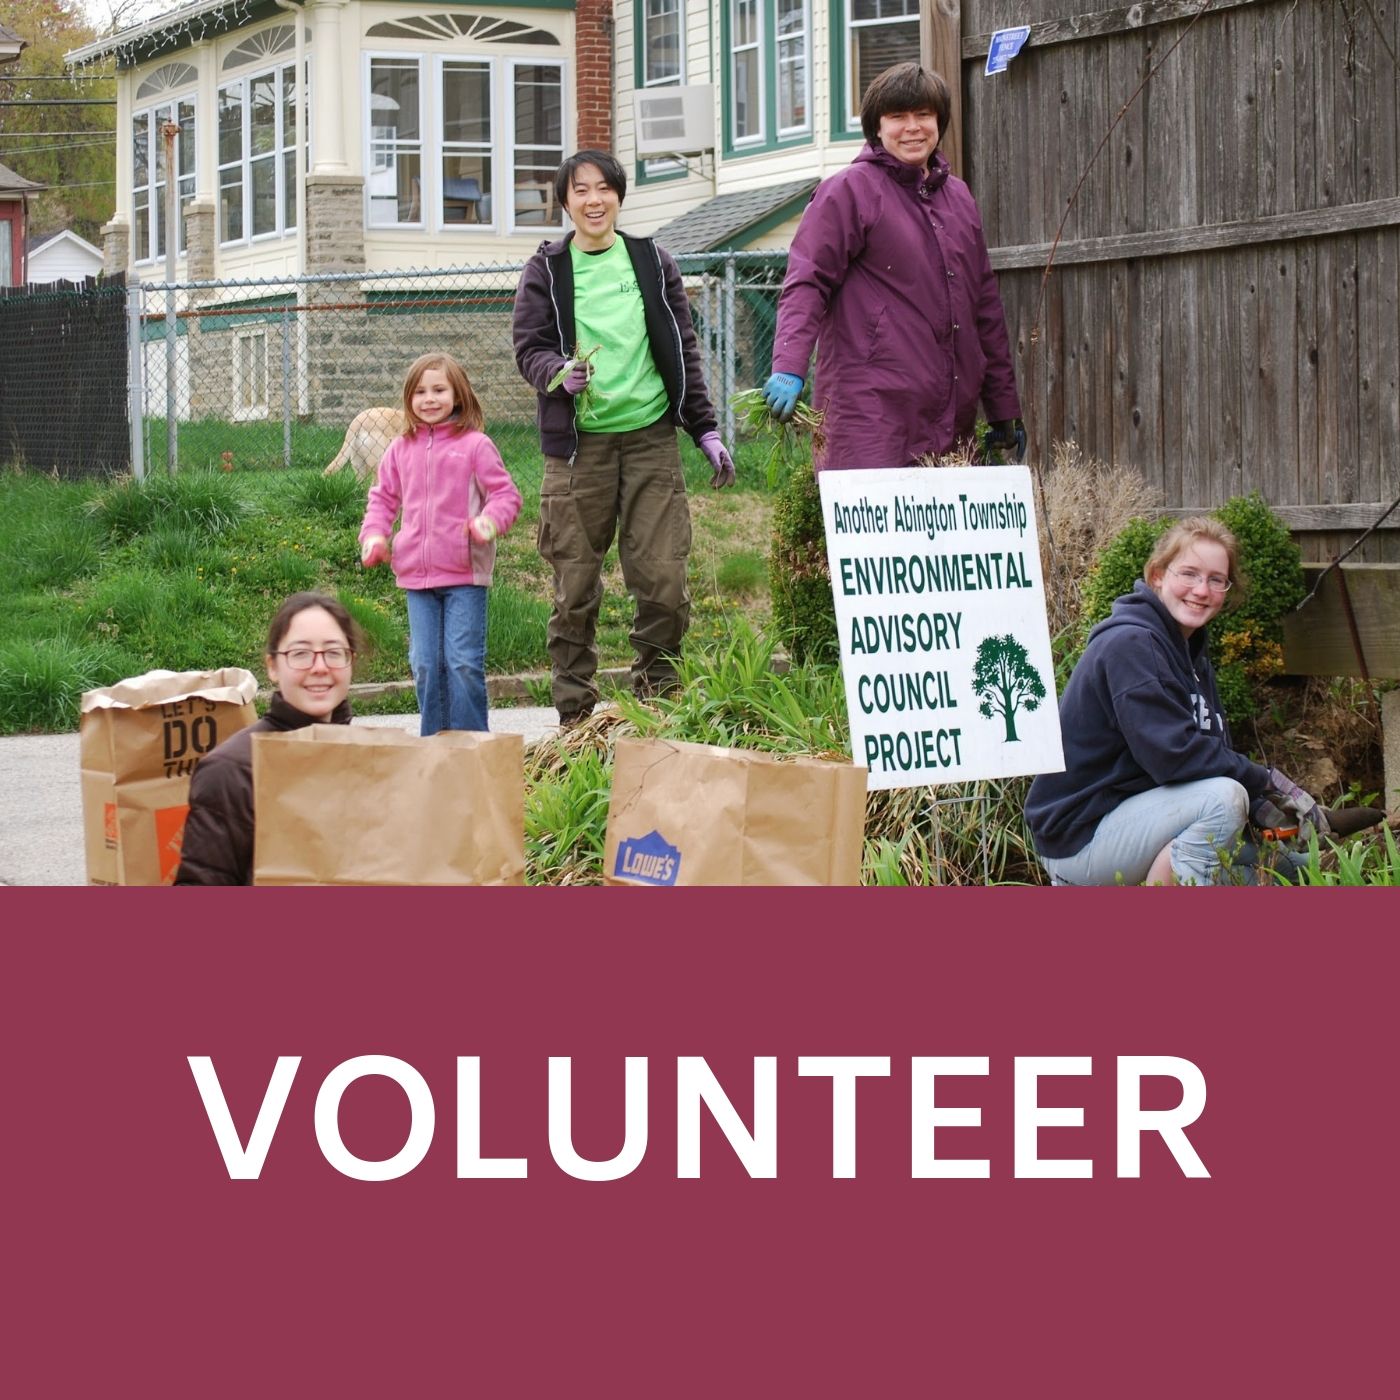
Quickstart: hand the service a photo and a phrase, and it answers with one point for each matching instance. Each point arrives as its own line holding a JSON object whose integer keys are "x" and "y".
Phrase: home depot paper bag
{"x": 693, "y": 814}
{"x": 337, "y": 805}
{"x": 139, "y": 741}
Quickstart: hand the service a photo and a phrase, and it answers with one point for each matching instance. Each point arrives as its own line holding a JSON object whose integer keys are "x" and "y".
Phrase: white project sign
{"x": 940, "y": 609}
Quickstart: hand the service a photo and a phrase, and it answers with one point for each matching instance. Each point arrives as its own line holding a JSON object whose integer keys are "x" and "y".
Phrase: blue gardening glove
{"x": 1283, "y": 790}
{"x": 576, "y": 381}
{"x": 719, "y": 459}
{"x": 780, "y": 394}
{"x": 1008, "y": 438}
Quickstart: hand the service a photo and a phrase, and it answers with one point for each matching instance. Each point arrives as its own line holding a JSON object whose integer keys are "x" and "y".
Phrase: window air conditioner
{"x": 674, "y": 120}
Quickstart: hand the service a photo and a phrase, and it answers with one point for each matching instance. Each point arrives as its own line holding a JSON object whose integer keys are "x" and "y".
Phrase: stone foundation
{"x": 199, "y": 242}
{"x": 335, "y": 223}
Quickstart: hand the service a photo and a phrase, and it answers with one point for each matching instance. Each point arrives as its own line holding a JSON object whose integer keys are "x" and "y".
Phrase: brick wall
{"x": 593, "y": 37}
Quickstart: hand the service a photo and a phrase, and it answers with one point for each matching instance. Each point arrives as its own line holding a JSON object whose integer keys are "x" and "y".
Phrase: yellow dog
{"x": 367, "y": 439}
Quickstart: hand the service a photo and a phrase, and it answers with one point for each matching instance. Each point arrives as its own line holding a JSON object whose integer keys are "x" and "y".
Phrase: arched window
{"x": 167, "y": 78}
{"x": 481, "y": 29}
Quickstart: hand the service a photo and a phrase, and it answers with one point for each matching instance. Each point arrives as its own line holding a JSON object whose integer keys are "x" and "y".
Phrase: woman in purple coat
{"x": 889, "y": 278}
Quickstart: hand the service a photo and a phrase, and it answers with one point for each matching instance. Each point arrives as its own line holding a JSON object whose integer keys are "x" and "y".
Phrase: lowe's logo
{"x": 649, "y": 859}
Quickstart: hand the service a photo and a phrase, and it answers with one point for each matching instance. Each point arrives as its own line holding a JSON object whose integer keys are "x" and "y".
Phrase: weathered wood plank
{"x": 940, "y": 37}
{"x": 1381, "y": 297}
{"x": 1301, "y": 484}
{"x": 1247, "y": 276}
{"x": 1347, "y": 521}
{"x": 1105, "y": 22}
{"x": 1149, "y": 414}
{"x": 1126, "y": 155}
{"x": 1169, "y": 242}
{"x": 1175, "y": 352}
{"x": 1341, "y": 475}
{"x": 1317, "y": 640}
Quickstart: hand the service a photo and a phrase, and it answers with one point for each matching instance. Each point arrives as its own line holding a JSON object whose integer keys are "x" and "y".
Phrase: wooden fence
{"x": 1224, "y": 306}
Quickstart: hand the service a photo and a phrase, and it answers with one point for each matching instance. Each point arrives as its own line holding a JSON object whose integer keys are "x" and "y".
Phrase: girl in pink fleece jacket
{"x": 445, "y": 482}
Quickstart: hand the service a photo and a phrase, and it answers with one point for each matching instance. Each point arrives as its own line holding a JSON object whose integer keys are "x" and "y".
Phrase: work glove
{"x": 375, "y": 550}
{"x": 483, "y": 529}
{"x": 719, "y": 458}
{"x": 780, "y": 394}
{"x": 576, "y": 380}
{"x": 1283, "y": 790}
{"x": 1271, "y": 819}
{"x": 1008, "y": 439}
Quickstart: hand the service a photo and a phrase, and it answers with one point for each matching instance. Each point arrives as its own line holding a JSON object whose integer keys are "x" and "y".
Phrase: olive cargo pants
{"x": 631, "y": 485}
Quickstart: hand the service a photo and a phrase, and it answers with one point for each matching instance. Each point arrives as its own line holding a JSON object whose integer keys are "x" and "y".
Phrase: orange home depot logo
{"x": 109, "y": 825}
{"x": 170, "y": 835}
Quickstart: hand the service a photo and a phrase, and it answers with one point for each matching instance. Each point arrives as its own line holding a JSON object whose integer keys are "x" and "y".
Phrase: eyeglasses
{"x": 304, "y": 658}
{"x": 1194, "y": 578}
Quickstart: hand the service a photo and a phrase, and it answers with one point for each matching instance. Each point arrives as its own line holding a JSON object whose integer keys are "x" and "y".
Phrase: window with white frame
{"x": 880, "y": 33}
{"x": 769, "y": 73}
{"x": 463, "y": 140}
{"x": 746, "y": 71}
{"x": 148, "y": 175}
{"x": 661, "y": 60}
{"x": 794, "y": 44}
{"x": 258, "y": 123}
{"x": 250, "y": 373}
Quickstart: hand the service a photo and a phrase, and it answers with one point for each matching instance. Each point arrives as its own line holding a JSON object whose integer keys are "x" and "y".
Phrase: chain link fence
{"x": 275, "y": 372}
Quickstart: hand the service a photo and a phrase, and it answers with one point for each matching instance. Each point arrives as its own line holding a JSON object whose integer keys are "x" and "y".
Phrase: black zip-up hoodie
{"x": 545, "y": 337}
{"x": 1140, "y": 711}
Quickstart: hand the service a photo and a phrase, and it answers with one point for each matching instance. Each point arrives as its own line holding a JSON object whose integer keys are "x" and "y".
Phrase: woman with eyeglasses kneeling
{"x": 310, "y": 651}
{"x": 1153, "y": 792}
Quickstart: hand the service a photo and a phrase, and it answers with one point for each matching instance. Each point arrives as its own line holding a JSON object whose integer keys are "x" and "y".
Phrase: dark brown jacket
{"x": 218, "y": 843}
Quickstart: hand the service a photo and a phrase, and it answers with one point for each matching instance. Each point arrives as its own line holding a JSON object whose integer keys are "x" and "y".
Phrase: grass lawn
{"x": 107, "y": 580}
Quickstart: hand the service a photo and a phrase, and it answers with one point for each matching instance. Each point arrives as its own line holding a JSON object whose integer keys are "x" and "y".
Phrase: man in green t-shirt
{"x": 608, "y": 429}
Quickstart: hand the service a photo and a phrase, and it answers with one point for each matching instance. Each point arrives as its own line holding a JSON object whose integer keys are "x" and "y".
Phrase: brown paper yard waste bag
{"x": 337, "y": 805}
{"x": 139, "y": 741}
{"x": 692, "y": 814}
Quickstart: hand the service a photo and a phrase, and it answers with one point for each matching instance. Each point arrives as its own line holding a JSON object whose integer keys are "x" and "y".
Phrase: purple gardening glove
{"x": 719, "y": 458}
{"x": 580, "y": 372}
{"x": 1293, "y": 799}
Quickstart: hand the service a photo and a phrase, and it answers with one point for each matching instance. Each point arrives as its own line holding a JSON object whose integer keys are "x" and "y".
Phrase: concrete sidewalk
{"x": 41, "y": 816}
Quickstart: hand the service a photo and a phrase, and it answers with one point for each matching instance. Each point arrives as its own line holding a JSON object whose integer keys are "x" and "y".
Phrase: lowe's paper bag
{"x": 693, "y": 814}
{"x": 139, "y": 741}
{"x": 337, "y": 805}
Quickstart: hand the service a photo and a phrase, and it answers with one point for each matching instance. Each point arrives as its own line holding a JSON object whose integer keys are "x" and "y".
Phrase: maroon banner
{"x": 862, "y": 1143}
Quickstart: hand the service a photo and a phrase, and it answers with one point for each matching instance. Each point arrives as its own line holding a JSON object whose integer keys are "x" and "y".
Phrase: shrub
{"x": 207, "y": 502}
{"x": 799, "y": 576}
{"x": 1246, "y": 638}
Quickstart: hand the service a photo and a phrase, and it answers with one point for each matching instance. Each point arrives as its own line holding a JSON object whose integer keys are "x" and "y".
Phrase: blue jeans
{"x": 1200, "y": 819}
{"x": 447, "y": 650}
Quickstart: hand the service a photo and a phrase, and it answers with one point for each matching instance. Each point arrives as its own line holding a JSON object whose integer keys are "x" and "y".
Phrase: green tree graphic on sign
{"x": 1005, "y": 679}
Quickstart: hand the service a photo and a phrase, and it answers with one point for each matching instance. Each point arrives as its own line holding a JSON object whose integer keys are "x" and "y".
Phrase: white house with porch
{"x": 426, "y": 133}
